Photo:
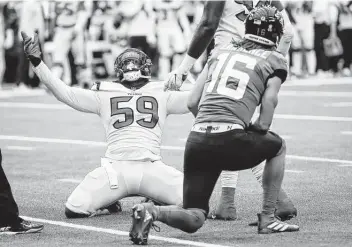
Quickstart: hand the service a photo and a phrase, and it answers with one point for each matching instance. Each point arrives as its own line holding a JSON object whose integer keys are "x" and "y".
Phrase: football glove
{"x": 32, "y": 48}
{"x": 175, "y": 80}
{"x": 256, "y": 127}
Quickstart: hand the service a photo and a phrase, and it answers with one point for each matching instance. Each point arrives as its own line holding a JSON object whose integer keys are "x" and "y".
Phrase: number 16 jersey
{"x": 236, "y": 83}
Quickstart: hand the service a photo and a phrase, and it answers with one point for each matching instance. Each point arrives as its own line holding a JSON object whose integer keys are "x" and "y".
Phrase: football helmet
{"x": 264, "y": 25}
{"x": 131, "y": 65}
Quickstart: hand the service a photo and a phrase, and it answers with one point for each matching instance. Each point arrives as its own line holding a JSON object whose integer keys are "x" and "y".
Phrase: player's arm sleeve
{"x": 177, "y": 102}
{"x": 279, "y": 66}
{"x": 204, "y": 33}
{"x": 269, "y": 102}
{"x": 77, "y": 98}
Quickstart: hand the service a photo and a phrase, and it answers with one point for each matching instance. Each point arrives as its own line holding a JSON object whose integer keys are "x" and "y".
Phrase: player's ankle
{"x": 228, "y": 195}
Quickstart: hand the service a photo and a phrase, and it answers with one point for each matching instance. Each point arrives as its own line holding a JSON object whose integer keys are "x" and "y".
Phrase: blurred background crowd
{"x": 81, "y": 39}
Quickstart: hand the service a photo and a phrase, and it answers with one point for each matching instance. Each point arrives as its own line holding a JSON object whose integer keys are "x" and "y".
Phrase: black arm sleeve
{"x": 206, "y": 29}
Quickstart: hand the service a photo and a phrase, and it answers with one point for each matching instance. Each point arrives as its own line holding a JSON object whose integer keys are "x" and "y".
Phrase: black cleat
{"x": 142, "y": 221}
{"x": 22, "y": 228}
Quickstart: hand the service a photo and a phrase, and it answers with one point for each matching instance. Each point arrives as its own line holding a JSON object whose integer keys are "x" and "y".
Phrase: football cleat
{"x": 284, "y": 211}
{"x": 142, "y": 221}
{"x": 224, "y": 212}
{"x": 22, "y": 228}
{"x": 274, "y": 225}
{"x": 115, "y": 207}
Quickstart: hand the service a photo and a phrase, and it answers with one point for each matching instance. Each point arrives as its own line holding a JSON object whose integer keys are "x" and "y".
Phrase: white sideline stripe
{"x": 310, "y": 117}
{"x": 293, "y": 171}
{"x": 70, "y": 180}
{"x": 19, "y": 148}
{"x": 52, "y": 140}
{"x": 345, "y": 165}
{"x": 317, "y": 82}
{"x": 93, "y": 143}
{"x": 315, "y": 94}
{"x": 34, "y": 105}
{"x": 338, "y": 104}
{"x": 346, "y": 132}
{"x": 117, "y": 232}
{"x": 17, "y": 93}
{"x": 276, "y": 116}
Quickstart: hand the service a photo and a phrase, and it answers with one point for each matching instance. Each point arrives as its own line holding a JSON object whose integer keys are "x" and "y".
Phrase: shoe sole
{"x": 289, "y": 217}
{"x": 24, "y": 232}
{"x": 269, "y": 231}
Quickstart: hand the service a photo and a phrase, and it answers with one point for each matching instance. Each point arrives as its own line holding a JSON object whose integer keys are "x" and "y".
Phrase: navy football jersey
{"x": 236, "y": 83}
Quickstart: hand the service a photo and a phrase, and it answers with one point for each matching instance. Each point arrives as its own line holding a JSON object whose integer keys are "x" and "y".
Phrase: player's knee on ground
{"x": 73, "y": 215}
{"x": 197, "y": 222}
{"x": 83, "y": 198}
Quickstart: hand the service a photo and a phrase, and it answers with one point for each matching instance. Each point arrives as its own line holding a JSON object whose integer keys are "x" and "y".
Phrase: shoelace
{"x": 155, "y": 227}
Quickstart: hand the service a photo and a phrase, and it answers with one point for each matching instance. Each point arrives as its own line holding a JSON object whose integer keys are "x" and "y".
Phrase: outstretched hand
{"x": 32, "y": 48}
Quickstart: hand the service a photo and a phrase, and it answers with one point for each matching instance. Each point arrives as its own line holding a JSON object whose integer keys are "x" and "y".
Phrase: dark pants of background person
{"x": 322, "y": 32}
{"x": 23, "y": 70}
{"x": 8, "y": 206}
{"x": 346, "y": 39}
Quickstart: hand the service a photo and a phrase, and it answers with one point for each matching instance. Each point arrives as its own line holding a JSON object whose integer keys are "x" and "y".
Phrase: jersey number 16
{"x": 225, "y": 74}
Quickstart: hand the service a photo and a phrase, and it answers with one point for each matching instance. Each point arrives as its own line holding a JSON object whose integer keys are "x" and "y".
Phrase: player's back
{"x": 231, "y": 24}
{"x": 133, "y": 119}
{"x": 236, "y": 83}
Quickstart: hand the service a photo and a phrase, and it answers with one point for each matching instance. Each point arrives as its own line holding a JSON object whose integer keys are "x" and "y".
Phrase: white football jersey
{"x": 133, "y": 119}
{"x": 231, "y": 23}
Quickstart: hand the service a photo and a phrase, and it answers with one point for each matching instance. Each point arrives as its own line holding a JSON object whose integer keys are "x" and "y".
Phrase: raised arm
{"x": 203, "y": 34}
{"x": 79, "y": 99}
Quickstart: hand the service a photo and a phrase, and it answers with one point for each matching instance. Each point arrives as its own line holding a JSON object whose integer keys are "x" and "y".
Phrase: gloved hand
{"x": 32, "y": 48}
{"x": 175, "y": 80}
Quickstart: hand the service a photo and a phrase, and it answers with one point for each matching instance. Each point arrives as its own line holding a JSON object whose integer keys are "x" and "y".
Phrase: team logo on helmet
{"x": 264, "y": 25}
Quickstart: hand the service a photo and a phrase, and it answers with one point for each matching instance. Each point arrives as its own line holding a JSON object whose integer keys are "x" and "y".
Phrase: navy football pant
{"x": 8, "y": 206}
{"x": 208, "y": 154}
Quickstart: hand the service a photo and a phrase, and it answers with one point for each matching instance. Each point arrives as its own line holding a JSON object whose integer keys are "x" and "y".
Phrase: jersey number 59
{"x": 225, "y": 74}
{"x": 141, "y": 107}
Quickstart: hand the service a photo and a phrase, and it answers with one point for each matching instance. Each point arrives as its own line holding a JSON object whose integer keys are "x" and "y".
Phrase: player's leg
{"x": 162, "y": 183}
{"x": 226, "y": 209}
{"x": 272, "y": 148}
{"x": 197, "y": 188}
{"x": 79, "y": 51}
{"x": 296, "y": 47}
{"x": 285, "y": 210}
{"x": 164, "y": 50}
{"x": 10, "y": 222}
{"x": 62, "y": 43}
{"x": 100, "y": 189}
{"x": 178, "y": 43}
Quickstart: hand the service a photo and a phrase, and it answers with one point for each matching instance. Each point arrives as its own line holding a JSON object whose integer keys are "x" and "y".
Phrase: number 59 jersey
{"x": 134, "y": 119}
{"x": 236, "y": 83}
